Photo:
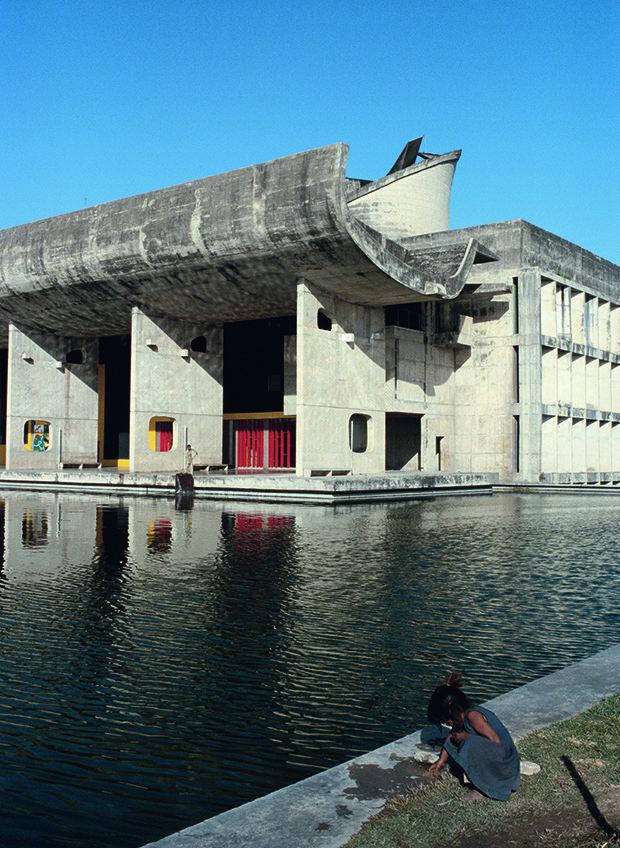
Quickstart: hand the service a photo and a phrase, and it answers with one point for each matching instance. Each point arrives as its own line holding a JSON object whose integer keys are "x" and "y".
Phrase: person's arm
{"x": 443, "y": 758}
{"x": 480, "y": 725}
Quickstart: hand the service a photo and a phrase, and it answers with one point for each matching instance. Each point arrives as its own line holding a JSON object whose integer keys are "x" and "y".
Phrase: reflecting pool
{"x": 160, "y": 665}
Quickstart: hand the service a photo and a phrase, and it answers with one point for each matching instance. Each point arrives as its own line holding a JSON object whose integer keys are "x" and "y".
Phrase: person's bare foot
{"x": 474, "y": 795}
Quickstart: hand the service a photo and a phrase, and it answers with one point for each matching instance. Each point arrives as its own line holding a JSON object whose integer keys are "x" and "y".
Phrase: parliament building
{"x": 287, "y": 318}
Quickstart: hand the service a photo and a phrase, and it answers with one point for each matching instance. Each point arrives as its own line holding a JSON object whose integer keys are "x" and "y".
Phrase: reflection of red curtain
{"x": 248, "y": 522}
{"x": 163, "y": 435}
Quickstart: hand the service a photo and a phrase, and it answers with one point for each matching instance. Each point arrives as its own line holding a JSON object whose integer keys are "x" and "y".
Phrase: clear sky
{"x": 101, "y": 99}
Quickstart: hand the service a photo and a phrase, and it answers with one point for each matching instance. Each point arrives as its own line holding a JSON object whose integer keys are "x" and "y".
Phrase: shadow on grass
{"x": 591, "y": 804}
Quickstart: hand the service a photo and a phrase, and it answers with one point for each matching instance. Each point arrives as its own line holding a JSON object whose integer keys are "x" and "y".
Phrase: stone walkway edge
{"x": 325, "y": 810}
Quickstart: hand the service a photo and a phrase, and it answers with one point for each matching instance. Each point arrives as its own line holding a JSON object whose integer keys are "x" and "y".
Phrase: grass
{"x": 573, "y": 801}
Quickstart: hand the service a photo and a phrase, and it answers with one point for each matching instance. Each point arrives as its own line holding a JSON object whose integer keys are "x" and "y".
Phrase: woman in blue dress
{"x": 478, "y": 742}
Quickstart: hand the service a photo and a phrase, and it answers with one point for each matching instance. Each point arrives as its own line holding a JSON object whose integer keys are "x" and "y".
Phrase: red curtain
{"x": 281, "y": 443}
{"x": 163, "y": 435}
{"x": 279, "y": 433}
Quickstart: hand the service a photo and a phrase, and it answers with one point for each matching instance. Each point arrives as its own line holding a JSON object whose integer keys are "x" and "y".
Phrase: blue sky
{"x": 102, "y": 99}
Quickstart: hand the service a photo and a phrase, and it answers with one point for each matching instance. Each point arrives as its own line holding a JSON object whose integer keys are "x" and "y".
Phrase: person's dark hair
{"x": 448, "y": 702}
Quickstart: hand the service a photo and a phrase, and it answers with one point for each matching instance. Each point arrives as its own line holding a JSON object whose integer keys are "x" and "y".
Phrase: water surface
{"x": 159, "y": 666}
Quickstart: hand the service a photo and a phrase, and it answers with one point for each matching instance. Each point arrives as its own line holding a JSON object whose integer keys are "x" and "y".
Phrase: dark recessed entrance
{"x": 403, "y": 442}
{"x": 114, "y": 375}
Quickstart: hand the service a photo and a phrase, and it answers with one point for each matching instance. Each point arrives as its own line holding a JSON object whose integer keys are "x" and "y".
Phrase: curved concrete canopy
{"x": 224, "y": 248}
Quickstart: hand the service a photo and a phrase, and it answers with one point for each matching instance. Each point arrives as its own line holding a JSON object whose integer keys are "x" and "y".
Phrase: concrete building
{"x": 284, "y": 317}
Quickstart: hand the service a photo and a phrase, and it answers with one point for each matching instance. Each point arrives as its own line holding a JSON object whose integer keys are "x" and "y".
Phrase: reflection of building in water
{"x": 318, "y": 323}
{"x": 111, "y": 538}
{"x": 43, "y": 532}
{"x": 2, "y": 535}
{"x": 35, "y": 529}
{"x": 159, "y": 535}
{"x": 256, "y": 559}
{"x": 256, "y": 535}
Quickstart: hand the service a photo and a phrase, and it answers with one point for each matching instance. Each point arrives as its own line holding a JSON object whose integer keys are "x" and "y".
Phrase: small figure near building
{"x": 190, "y": 453}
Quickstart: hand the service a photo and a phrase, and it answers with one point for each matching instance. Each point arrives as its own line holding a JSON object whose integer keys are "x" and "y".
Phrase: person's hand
{"x": 436, "y": 768}
{"x": 458, "y": 736}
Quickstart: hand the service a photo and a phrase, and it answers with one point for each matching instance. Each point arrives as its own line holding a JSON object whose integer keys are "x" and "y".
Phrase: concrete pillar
{"x": 615, "y": 387}
{"x": 590, "y": 321}
{"x": 593, "y": 459}
{"x": 340, "y": 385}
{"x": 549, "y": 441}
{"x": 592, "y": 388}
{"x": 578, "y": 363}
{"x": 564, "y": 395}
{"x": 52, "y": 404}
{"x": 290, "y": 375}
{"x": 550, "y": 376}
{"x": 604, "y": 330}
{"x": 614, "y": 328}
{"x": 578, "y": 300}
{"x": 578, "y": 447}
{"x": 530, "y": 377}
{"x": 615, "y": 449}
{"x": 564, "y": 455}
{"x": 171, "y": 381}
{"x": 605, "y": 448}
{"x": 604, "y": 385}
{"x": 548, "y": 309}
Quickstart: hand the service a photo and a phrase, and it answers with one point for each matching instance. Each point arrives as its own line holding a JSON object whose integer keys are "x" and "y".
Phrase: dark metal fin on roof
{"x": 407, "y": 157}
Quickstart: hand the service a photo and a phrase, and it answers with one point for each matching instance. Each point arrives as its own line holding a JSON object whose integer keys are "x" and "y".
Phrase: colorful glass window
{"x": 37, "y": 435}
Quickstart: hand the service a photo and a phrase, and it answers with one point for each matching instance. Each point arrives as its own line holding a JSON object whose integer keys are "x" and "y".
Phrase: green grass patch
{"x": 434, "y": 816}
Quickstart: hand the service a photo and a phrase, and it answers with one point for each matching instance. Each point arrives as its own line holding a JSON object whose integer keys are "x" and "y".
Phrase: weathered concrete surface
{"x": 524, "y": 245}
{"x": 408, "y": 201}
{"x": 43, "y": 385}
{"x": 325, "y": 810}
{"x": 223, "y": 248}
{"x": 270, "y": 488}
{"x": 188, "y": 388}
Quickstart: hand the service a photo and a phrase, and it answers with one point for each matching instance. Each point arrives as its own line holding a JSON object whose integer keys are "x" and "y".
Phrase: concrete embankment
{"x": 330, "y": 487}
{"x": 325, "y": 810}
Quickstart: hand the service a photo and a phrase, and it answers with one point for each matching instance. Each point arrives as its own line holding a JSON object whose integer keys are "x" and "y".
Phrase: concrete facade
{"x": 169, "y": 379}
{"x": 286, "y": 318}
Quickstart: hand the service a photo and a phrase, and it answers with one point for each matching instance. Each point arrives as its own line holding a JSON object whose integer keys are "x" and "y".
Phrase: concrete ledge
{"x": 325, "y": 810}
{"x": 608, "y": 488}
{"x": 287, "y": 488}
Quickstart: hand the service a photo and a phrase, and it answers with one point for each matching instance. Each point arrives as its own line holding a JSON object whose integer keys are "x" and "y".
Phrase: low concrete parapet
{"x": 286, "y": 488}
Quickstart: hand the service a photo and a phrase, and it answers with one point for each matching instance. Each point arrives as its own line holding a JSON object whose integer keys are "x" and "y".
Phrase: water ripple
{"x": 159, "y": 667}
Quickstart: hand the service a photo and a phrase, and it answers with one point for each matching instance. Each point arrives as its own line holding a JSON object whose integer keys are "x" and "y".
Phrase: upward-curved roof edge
{"x": 222, "y": 248}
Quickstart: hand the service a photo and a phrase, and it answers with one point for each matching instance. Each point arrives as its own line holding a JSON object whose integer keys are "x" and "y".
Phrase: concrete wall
{"x": 42, "y": 386}
{"x": 459, "y": 373}
{"x": 340, "y": 373}
{"x": 485, "y": 391}
{"x": 168, "y": 379}
{"x": 580, "y": 383}
{"x": 290, "y": 375}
